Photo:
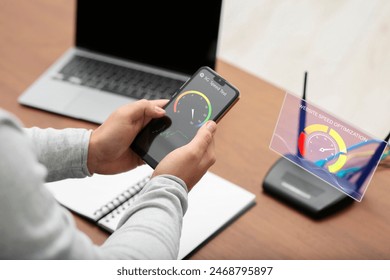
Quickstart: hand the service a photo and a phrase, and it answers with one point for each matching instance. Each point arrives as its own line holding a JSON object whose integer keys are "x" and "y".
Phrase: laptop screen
{"x": 177, "y": 37}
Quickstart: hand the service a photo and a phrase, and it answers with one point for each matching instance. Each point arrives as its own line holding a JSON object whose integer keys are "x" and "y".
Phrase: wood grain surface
{"x": 33, "y": 34}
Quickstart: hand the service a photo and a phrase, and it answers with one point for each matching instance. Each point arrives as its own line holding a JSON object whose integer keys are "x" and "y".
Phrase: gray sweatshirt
{"x": 34, "y": 226}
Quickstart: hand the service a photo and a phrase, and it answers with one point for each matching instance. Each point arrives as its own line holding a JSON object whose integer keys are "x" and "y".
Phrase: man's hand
{"x": 191, "y": 161}
{"x": 109, "y": 147}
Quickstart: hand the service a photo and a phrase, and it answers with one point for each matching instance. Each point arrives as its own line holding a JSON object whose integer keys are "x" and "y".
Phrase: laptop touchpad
{"x": 95, "y": 106}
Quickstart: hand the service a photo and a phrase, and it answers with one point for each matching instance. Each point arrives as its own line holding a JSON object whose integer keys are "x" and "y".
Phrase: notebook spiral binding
{"x": 122, "y": 201}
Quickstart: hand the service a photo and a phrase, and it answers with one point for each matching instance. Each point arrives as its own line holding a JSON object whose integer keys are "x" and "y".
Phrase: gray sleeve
{"x": 35, "y": 226}
{"x": 154, "y": 222}
{"x": 63, "y": 152}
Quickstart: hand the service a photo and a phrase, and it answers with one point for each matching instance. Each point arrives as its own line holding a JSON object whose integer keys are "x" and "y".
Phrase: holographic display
{"x": 331, "y": 149}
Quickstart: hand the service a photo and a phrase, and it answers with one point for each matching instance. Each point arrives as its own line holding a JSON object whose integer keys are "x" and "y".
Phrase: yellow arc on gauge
{"x": 197, "y": 93}
{"x": 342, "y": 157}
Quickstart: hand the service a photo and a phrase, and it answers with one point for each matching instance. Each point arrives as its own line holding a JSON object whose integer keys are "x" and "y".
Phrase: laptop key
{"x": 74, "y": 80}
{"x": 117, "y": 79}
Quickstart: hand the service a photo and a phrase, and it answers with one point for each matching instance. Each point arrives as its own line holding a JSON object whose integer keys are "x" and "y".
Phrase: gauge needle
{"x": 323, "y": 149}
{"x": 192, "y": 112}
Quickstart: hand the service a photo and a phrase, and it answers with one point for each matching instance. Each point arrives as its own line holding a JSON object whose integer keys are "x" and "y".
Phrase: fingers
{"x": 144, "y": 109}
{"x": 156, "y": 106}
{"x": 204, "y": 136}
{"x": 209, "y": 156}
{"x": 190, "y": 162}
{"x": 202, "y": 145}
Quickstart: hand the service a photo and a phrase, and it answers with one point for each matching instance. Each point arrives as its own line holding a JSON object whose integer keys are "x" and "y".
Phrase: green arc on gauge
{"x": 200, "y": 94}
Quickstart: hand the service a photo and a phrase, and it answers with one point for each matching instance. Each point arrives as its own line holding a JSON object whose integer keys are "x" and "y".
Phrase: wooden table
{"x": 35, "y": 33}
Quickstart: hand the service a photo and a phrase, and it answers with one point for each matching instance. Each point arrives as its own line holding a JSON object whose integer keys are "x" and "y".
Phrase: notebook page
{"x": 213, "y": 202}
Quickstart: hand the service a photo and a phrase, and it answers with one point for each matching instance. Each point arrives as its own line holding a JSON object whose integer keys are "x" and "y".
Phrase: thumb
{"x": 154, "y": 109}
{"x": 144, "y": 109}
{"x": 204, "y": 137}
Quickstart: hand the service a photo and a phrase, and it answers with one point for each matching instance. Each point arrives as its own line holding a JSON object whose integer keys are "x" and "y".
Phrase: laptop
{"x": 125, "y": 51}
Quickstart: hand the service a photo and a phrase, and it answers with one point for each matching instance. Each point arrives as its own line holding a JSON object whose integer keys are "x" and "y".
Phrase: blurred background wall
{"x": 343, "y": 44}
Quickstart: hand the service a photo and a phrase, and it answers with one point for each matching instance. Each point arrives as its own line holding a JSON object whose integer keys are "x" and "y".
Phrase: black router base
{"x": 302, "y": 190}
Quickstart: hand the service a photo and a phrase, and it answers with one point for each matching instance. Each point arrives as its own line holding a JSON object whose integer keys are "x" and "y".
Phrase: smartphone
{"x": 205, "y": 96}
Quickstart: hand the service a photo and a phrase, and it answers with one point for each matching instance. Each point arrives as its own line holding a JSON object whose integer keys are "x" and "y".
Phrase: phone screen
{"x": 205, "y": 96}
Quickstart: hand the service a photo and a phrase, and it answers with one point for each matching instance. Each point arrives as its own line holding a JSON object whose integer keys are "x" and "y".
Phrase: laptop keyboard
{"x": 117, "y": 79}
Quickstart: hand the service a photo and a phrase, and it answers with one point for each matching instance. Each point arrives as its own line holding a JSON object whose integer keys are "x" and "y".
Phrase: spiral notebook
{"x": 213, "y": 202}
